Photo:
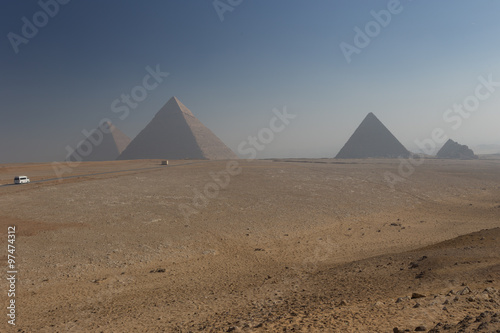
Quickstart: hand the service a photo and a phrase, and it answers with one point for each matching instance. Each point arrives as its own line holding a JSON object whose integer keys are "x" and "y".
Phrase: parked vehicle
{"x": 21, "y": 180}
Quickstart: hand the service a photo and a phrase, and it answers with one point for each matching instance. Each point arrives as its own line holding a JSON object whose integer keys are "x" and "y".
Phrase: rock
{"x": 417, "y": 295}
{"x": 402, "y": 299}
{"x": 420, "y": 329}
{"x": 464, "y": 291}
{"x": 417, "y": 305}
{"x": 413, "y": 265}
{"x": 490, "y": 290}
{"x": 343, "y": 303}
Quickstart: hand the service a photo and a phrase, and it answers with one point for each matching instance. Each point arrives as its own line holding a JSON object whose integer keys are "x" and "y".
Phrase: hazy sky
{"x": 233, "y": 73}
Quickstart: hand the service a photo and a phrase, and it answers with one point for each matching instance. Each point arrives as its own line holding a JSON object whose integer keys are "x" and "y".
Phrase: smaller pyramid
{"x": 454, "y": 150}
{"x": 105, "y": 143}
{"x": 372, "y": 140}
{"x": 175, "y": 133}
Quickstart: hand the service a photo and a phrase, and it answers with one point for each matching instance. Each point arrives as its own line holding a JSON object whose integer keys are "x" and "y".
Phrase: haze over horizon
{"x": 231, "y": 73}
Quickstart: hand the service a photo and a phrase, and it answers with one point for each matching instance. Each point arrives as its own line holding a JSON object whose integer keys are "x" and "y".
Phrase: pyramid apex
{"x": 107, "y": 125}
{"x": 175, "y": 105}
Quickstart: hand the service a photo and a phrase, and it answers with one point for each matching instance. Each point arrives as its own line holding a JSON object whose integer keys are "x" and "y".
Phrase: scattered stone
{"x": 259, "y": 249}
{"x": 397, "y": 330}
{"x": 158, "y": 270}
{"x": 417, "y": 295}
{"x": 419, "y": 275}
{"x": 464, "y": 291}
{"x": 420, "y": 329}
{"x": 343, "y": 303}
{"x": 402, "y": 299}
{"x": 413, "y": 265}
{"x": 416, "y": 306}
{"x": 490, "y": 290}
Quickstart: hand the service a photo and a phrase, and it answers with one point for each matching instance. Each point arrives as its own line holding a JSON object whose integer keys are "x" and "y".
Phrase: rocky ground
{"x": 288, "y": 246}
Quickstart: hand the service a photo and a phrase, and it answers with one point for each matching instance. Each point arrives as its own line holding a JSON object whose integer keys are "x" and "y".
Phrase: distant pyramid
{"x": 372, "y": 139}
{"x": 454, "y": 150}
{"x": 105, "y": 143}
{"x": 175, "y": 133}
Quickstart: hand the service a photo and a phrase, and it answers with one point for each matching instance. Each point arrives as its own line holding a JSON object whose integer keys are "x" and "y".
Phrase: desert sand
{"x": 286, "y": 246}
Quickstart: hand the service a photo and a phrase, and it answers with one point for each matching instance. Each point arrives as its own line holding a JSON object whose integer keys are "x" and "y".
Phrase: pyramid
{"x": 372, "y": 139}
{"x": 175, "y": 133}
{"x": 105, "y": 143}
{"x": 454, "y": 150}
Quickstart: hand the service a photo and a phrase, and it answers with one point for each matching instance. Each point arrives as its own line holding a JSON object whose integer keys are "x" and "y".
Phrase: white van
{"x": 21, "y": 180}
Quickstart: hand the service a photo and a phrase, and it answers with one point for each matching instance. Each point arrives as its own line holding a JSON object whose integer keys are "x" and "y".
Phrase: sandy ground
{"x": 284, "y": 246}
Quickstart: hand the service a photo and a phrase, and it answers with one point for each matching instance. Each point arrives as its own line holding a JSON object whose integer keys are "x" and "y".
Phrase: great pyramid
{"x": 454, "y": 150}
{"x": 105, "y": 143}
{"x": 372, "y": 139}
{"x": 175, "y": 133}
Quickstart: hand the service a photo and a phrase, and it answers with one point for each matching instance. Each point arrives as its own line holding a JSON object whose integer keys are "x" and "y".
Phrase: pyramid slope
{"x": 112, "y": 144}
{"x": 372, "y": 140}
{"x": 175, "y": 133}
{"x": 454, "y": 150}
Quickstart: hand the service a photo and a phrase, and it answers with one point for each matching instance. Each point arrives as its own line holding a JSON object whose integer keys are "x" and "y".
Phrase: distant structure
{"x": 105, "y": 143}
{"x": 372, "y": 140}
{"x": 175, "y": 133}
{"x": 454, "y": 150}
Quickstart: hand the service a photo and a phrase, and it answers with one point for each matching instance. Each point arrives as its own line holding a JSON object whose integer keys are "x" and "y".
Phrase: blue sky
{"x": 233, "y": 73}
